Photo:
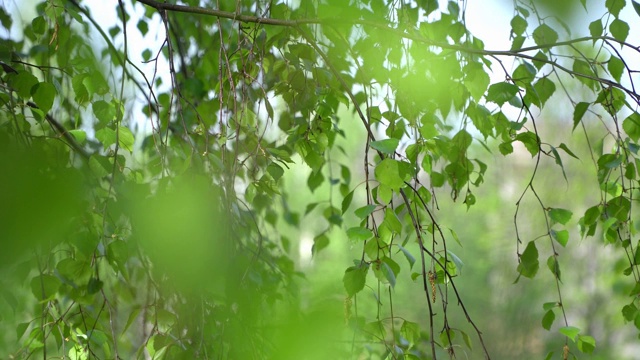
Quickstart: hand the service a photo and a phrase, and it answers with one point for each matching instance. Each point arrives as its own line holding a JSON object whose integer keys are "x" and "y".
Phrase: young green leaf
{"x": 619, "y": 29}
{"x": 529, "y": 264}
{"x": 545, "y": 35}
{"x": 570, "y": 331}
{"x": 562, "y": 236}
{"x": 596, "y": 29}
{"x": 631, "y": 126}
{"x": 359, "y": 233}
{"x": 547, "y": 319}
{"x": 393, "y": 173}
{"x": 554, "y": 266}
{"x": 386, "y": 146}
{"x": 502, "y": 92}
{"x": 43, "y": 95}
{"x": 561, "y": 216}
{"x": 354, "y": 278}
{"x": 614, "y": 6}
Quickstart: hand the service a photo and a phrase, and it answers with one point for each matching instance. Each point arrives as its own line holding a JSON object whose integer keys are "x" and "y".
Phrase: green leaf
{"x": 596, "y": 29}
{"x": 501, "y": 92}
{"x": 390, "y": 269}
{"x": 411, "y": 332}
{"x": 578, "y": 113}
{"x": 39, "y": 25}
{"x": 359, "y": 233}
{"x": 619, "y": 29}
{"x": 354, "y": 278}
{"x": 636, "y": 6}
{"x": 518, "y": 25}
{"x": 554, "y": 267}
{"x": 314, "y": 180}
{"x": 94, "y": 285}
{"x": 407, "y": 255}
{"x": 476, "y": 80}
{"x": 570, "y": 331}
{"x": 125, "y": 138}
{"x": 544, "y": 88}
{"x": 524, "y": 74}
{"x": 530, "y": 141}
{"x": 44, "y": 287}
{"x": 43, "y": 95}
{"x": 631, "y": 126}
{"x": 393, "y": 173}
{"x": 104, "y": 111}
{"x": 319, "y": 242}
{"x": 566, "y": 149}
{"x": 529, "y": 264}
{"x": 391, "y": 220}
{"x": 547, "y": 319}
{"x": 629, "y": 312}
{"x": 466, "y": 338}
{"x": 106, "y": 136}
{"x": 614, "y": 6}
{"x": 545, "y": 35}
{"x": 386, "y": 146}
{"x": 616, "y": 67}
{"x": 23, "y": 82}
{"x": 143, "y": 27}
{"x": 562, "y": 236}
{"x": 364, "y": 211}
{"x": 346, "y": 202}
{"x": 586, "y": 344}
{"x": 561, "y": 216}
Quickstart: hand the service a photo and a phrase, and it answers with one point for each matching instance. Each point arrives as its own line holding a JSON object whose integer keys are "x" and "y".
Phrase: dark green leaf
{"x": 529, "y": 264}
{"x": 346, "y": 202}
{"x": 39, "y": 25}
{"x": 614, "y": 6}
{"x": 43, "y": 95}
{"x": 586, "y": 344}
{"x": 616, "y": 67}
{"x": 44, "y": 287}
{"x": 547, "y": 319}
{"x": 560, "y": 216}
{"x": 407, "y": 255}
{"x": 596, "y": 29}
{"x": 544, "y": 88}
{"x": 636, "y": 6}
{"x": 354, "y": 279}
{"x": 554, "y": 267}
{"x": 578, "y": 113}
{"x": 619, "y": 29}
{"x": 545, "y": 35}
{"x": 315, "y": 180}
{"x": 23, "y": 82}
{"x": 518, "y": 25}
{"x": 104, "y": 111}
{"x": 319, "y": 242}
{"x": 501, "y": 92}
{"x": 476, "y": 80}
